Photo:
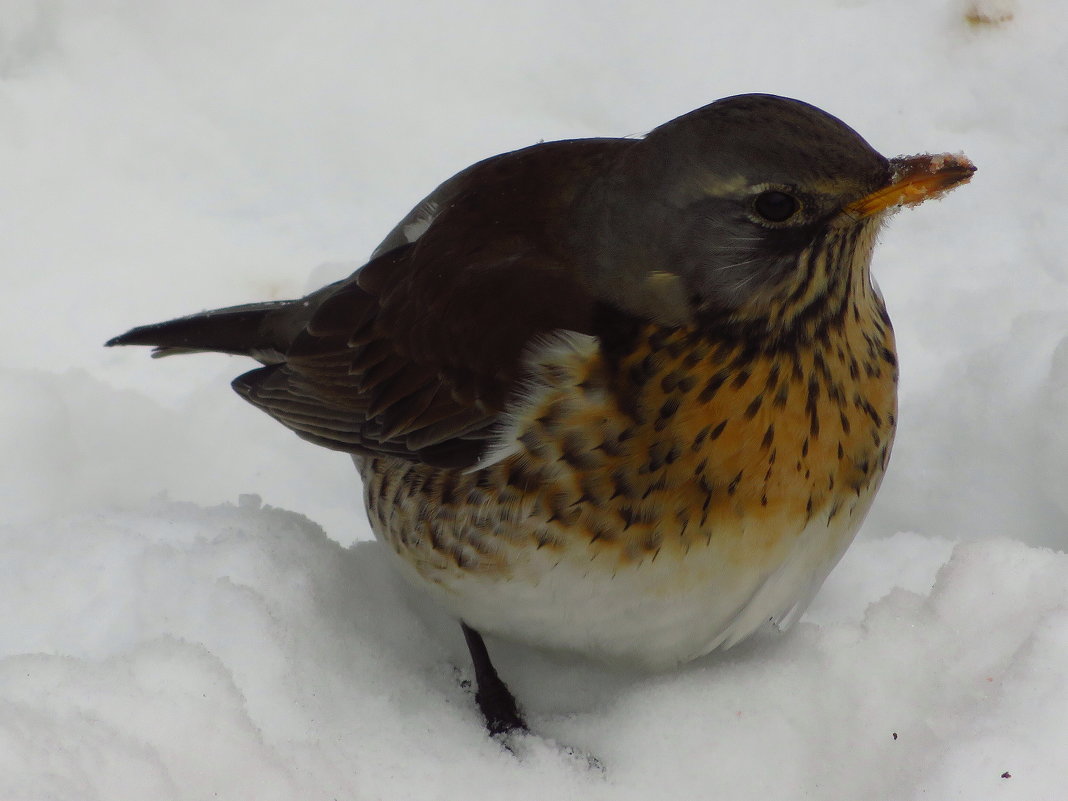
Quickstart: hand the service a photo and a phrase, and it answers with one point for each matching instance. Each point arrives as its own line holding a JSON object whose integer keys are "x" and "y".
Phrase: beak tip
{"x": 915, "y": 179}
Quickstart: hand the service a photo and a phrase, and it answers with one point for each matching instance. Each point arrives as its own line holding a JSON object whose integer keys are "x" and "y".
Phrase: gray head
{"x": 712, "y": 212}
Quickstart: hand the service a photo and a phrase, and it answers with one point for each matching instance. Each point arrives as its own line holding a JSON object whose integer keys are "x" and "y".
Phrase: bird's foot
{"x": 499, "y": 708}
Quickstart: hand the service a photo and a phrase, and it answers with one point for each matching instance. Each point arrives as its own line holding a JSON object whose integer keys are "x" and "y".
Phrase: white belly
{"x": 655, "y": 614}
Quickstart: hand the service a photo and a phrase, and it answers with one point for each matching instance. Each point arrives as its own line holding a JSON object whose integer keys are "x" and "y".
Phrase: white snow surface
{"x": 164, "y": 634}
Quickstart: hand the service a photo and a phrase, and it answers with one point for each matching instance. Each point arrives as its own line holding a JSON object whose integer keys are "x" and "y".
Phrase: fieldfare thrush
{"x": 625, "y": 397}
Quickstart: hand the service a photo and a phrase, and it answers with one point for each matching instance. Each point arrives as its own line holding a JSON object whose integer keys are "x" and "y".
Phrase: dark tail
{"x": 260, "y": 330}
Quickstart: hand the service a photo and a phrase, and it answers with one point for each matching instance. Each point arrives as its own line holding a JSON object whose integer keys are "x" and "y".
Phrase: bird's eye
{"x": 775, "y": 206}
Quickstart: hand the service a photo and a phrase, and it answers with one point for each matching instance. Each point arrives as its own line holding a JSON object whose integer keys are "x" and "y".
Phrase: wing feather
{"x": 418, "y": 353}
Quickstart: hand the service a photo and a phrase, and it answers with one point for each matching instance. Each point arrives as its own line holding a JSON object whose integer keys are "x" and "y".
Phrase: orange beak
{"x": 915, "y": 179}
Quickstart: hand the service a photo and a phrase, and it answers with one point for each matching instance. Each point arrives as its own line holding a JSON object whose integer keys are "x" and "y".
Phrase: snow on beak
{"x": 915, "y": 179}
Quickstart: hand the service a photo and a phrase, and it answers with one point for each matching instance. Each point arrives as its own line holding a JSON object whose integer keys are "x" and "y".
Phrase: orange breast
{"x": 687, "y": 443}
{"x": 690, "y": 440}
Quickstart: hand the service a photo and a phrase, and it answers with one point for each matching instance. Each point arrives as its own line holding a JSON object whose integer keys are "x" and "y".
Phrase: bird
{"x": 624, "y": 397}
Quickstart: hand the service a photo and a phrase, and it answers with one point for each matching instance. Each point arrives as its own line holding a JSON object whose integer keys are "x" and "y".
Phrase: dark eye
{"x": 775, "y": 206}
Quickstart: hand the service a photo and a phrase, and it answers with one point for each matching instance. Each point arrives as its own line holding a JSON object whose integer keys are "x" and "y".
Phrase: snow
{"x": 165, "y": 635}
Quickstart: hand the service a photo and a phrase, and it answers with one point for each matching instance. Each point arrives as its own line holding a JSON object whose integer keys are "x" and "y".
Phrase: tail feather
{"x": 260, "y": 330}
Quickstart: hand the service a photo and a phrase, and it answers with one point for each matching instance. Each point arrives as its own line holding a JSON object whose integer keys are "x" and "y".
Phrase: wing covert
{"x": 418, "y": 352}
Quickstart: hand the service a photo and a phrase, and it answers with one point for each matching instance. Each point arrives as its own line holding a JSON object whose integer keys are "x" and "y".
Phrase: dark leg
{"x": 494, "y": 698}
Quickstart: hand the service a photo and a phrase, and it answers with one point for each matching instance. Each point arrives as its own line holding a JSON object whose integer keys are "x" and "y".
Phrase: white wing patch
{"x": 553, "y": 363}
{"x": 424, "y": 216}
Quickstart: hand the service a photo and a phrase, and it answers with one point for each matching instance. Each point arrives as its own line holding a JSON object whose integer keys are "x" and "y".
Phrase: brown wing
{"x": 418, "y": 352}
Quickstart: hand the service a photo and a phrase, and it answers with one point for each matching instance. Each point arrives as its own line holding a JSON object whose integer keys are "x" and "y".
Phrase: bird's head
{"x": 746, "y": 207}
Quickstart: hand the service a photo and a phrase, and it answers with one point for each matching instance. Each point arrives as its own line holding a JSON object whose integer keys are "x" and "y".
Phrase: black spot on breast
{"x": 813, "y": 393}
{"x": 658, "y": 456}
{"x": 624, "y": 488}
{"x": 686, "y": 384}
{"x": 706, "y": 487}
{"x": 584, "y": 498}
{"x": 754, "y": 407}
{"x": 551, "y": 417}
{"x": 383, "y": 484}
{"x": 655, "y": 486}
{"x": 670, "y": 381}
{"x": 836, "y": 393}
{"x": 699, "y": 440}
{"x": 712, "y": 386}
{"x": 575, "y": 454}
{"x": 769, "y": 437}
{"x": 413, "y": 482}
{"x": 733, "y": 486}
{"x": 602, "y": 532}
{"x": 773, "y": 379}
{"x": 447, "y": 487}
{"x": 561, "y": 511}
{"x": 872, "y": 413}
{"x": 658, "y": 338}
{"x": 611, "y": 447}
{"x": 651, "y": 541}
{"x": 821, "y": 365}
{"x": 666, "y": 412}
{"x": 696, "y": 354}
{"x": 521, "y": 477}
